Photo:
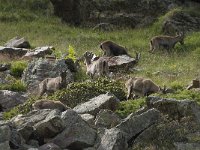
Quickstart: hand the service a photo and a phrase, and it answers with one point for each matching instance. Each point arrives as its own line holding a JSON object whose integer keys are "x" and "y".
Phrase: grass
{"x": 33, "y": 20}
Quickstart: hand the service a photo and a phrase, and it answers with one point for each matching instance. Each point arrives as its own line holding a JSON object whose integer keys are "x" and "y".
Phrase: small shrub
{"x": 71, "y": 53}
{"x": 127, "y": 107}
{"x": 17, "y": 68}
{"x": 77, "y": 93}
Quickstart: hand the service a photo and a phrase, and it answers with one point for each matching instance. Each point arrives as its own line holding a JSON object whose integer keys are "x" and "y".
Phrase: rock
{"x": 107, "y": 119}
{"x": 176, "y": 109}
{"x": 38, "y": 52}
{"x": 122, "y": 63}
{"x": 113, "y": 139}
{"x": 93, "y": 106}
{"x": 118, "y": 12}
{"x": 49, "y": 146}
{"x": 5, "y": 145}
{"x": 52, "y": 123}
{"x": 40, "y": 69}
{"x": 187, "y": 146}
{"x": 4, "y": 67}
{"x": 5, "y": 133}
{"x": 18, "y": 42}
{"x": 7, "y": 53}
{"x": 135, "y": 124}
{"x": 88, "y": 118}
{"x": 9, "y": 99}
{"x": 181, "y": 21}
{"x": 77, "y": 133}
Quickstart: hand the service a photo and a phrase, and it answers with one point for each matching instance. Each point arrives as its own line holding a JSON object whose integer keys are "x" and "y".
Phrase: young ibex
{"x": 50, "y": 85}
{"x": 166, "y": 42}
{"x": 137, "y": 86}
{"x": 49, "y": 104}
{"x": 97, "y": 67}
{"x": 112, "y": 49}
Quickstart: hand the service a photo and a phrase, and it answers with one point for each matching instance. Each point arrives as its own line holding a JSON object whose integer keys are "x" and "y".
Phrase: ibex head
{"x": 181, "y": 37}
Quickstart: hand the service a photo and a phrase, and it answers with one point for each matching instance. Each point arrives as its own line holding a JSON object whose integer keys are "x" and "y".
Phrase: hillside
{"x": 37, "y": 21}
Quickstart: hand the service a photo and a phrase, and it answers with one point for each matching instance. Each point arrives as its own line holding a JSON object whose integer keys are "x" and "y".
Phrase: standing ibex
{"x": 50, "y": 85}
{"x": 99, "y": 66}
{"x": 137, "y": 86}
{"x": 166, "y": 42}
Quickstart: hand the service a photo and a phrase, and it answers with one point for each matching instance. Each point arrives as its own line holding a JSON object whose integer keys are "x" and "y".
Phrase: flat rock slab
{"x": 18, "y": 42}
{"x": 38, "y": 52}
{"x": 123, "y": 62}
{"x": 103, "y": 101}
{"x": 11, "y": 52}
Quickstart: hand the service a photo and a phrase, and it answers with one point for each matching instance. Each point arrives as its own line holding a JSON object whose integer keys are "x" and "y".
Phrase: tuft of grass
{"x": 127, "y": 107}
{"x": 17, "y": 68}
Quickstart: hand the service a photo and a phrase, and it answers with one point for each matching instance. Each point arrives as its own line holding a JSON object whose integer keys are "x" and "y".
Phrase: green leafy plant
{"x": 17, "y": 68}
{"x": 71, "y": 53}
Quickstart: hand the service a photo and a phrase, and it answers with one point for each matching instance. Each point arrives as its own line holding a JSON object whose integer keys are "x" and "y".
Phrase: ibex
{"x": 49, "y": 104}
{"x": 97, "y": 67}
{"x": 50, "y": 85}
{"x": 166, "y": 42}
{"x": 137, "y": 86}
{"x": 112, "y": 49}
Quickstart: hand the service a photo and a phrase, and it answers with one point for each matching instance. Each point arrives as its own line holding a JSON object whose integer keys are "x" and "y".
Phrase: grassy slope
{"x": 35, "y": 22}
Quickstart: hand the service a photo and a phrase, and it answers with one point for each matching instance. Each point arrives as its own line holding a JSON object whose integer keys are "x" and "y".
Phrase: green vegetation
{"x": 130, "y": 106}
{"x": 17, "y": 68}
{"x": 33, "y": 20}
{"x": 77, "y": 93}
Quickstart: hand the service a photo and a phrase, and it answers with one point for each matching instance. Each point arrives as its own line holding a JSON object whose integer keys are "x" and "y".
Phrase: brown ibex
{"x": 166, "y": 42}
{"x": 112, "y": 49}
{"x": 50, "y": 85}
{"x": 97, "y": 67}
{"x": 49, "y": 104}
{"x": 138, "y": 86}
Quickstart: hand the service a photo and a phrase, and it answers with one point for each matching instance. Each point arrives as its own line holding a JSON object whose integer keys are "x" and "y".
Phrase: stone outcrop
{"x": 93, "y": 106}
{"x": 40, "y": 69}
{"x": 9, "y": 99}
{"x": 11, "y": 52}
{"x": 38, "y": 52}
{"x": 18, "y": 42}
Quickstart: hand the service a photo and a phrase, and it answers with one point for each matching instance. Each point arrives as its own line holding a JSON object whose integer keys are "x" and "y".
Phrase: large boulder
{"x": 9, "y": 99}
{"x": 181, "y": 21}
{"x": 113, "y": 139}
{"x": 117, "y": 12}
{"x": 18, "y": 42}
{"x": 93, "y": 106}
{"x": 176, "y": 109}
{"x": 77, "y": 133}
{"x": 135, "y": 124}
{"x": 106, "y": 119}
{"x": 11, "y": 52}
{"x": 40, "y": 69}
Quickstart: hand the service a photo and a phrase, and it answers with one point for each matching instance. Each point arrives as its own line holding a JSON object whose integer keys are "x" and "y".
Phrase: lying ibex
{"x": 137, "y": 86}
{"x": 166, "y": 42}
{"x": 97, "y": 67}
{"x": 112, "y": 49}
{"x": 48, "y": 104}
{"x": 50, "y": 85}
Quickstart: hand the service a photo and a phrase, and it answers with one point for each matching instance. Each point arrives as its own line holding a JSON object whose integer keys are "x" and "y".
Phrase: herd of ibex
{"x": 98, "y": 66}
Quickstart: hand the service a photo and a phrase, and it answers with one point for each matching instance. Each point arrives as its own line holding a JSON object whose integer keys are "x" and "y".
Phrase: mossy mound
{"x": 81, "y": 92}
